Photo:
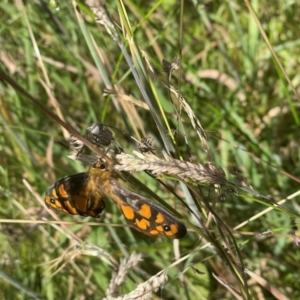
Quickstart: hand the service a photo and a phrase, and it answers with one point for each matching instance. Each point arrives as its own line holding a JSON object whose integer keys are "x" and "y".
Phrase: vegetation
{"x": 230, "y": 101}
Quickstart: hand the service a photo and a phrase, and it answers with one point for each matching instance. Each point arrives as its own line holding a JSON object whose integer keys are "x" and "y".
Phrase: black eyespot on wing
{"x": 167, "y": 228}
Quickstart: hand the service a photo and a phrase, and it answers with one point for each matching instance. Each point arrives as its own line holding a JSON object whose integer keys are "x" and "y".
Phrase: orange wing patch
{"x": 84, "y": 193}
{"x": 145, "y": 211}
{"x": 127, "y": 211}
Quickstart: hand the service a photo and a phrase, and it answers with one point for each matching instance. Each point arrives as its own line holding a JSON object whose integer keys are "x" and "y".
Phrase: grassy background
{"x": 234, "y": 86}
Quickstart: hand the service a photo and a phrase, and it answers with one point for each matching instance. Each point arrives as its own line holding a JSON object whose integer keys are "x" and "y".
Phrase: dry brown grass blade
{"x": 272, "y": 289}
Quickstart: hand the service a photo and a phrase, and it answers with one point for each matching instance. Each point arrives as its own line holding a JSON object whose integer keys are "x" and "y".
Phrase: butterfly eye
{"x": 99, "y": 165}
{"x": 102, "y": 167}
{"x": 52, "y": 201}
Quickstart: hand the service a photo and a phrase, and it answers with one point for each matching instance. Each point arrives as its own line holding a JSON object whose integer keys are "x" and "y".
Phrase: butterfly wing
{"x": 144, "y": 215}
{"x": 75, "y": 195}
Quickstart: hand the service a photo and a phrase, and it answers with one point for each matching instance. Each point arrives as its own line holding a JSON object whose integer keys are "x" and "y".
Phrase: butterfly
{"x": 85, "y": 194}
